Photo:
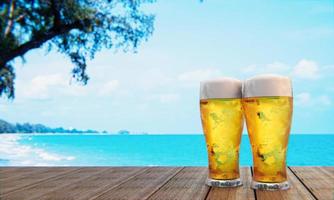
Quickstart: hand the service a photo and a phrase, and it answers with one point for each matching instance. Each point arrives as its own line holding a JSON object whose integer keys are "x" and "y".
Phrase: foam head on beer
{"x": 224, "y": 87}
{"x": 222, "y": 122}
{"x": 267, "y": 85}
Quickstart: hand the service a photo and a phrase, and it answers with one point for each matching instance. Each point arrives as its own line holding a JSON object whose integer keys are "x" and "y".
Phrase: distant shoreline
{"x": 136, "y": 134}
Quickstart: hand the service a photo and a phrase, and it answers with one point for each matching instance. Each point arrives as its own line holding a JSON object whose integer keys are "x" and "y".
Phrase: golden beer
{"x": 222, "y": 122}
{"x": 268, "y": 124}
{"x": 268, "y": 119}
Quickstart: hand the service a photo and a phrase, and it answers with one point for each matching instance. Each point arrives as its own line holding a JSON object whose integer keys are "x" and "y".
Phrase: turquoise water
{"x": 144, "y": 150}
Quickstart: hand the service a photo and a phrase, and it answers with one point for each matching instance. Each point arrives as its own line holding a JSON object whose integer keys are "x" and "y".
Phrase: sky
{"x": 156, "y": 90}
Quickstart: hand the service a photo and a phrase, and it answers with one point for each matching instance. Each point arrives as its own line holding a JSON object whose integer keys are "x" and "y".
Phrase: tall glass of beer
{"x": 222, "y": 121}
{"x": 267, "y": 102}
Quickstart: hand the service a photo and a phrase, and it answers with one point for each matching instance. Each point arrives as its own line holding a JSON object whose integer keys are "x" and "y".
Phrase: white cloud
{"x": 305, "y": 99}
{"x": 199, "y": 75}
{"x": 53, "y": 85}
{"x": 109, "y": 87}
{"x": 306, "y": 69}
{"x": 275, "y": 67}
{"x": 39, "y": 86}
{"x": 76, "y": 90}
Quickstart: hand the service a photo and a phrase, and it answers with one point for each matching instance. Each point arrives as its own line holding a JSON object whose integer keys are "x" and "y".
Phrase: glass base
{"x": 223, "y": 183}
{"x": 270, "y": 186}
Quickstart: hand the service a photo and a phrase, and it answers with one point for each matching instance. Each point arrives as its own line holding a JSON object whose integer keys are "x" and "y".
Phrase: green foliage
{"x": 123, "y": 132}
{"x": 6, "y": 127}
{"x": 76, "y": 28}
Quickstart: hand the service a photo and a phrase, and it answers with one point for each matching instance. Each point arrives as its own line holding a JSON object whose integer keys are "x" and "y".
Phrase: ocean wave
{"x": 16, "y": 154}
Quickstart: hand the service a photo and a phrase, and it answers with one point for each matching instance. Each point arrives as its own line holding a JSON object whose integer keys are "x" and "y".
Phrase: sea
{"x": 144, "y": 150}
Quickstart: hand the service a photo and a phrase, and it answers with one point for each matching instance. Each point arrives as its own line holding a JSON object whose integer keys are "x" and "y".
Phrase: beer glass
{"x": 267, "y": 103}
{"x": 222, "y": 121}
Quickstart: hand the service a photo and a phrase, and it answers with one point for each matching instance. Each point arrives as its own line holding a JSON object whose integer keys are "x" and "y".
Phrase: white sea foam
{"x": 23, "y": 155}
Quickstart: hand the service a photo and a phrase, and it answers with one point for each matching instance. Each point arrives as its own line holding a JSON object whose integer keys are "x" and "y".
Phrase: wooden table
{"x": 21, "y": 183}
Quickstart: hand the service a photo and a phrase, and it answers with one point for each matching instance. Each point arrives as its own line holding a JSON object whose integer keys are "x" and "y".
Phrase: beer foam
{"x": 267, "y": 85}
{"x": 221, "y": 88}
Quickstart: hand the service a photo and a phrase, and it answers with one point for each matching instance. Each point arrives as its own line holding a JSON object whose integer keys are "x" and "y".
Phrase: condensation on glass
{"x": 222, "y": 122}
{"x": 268, "y": 105}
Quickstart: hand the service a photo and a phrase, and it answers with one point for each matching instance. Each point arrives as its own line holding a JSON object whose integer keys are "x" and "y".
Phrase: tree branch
{"x": 56, "y": 15}
{"x": 19, "y": 18}
{"x": 37, "y": 41}
{"x": 9, "y": 19}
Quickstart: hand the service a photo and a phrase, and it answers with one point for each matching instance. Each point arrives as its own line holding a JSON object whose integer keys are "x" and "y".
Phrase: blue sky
{"x": 156, "y": 89}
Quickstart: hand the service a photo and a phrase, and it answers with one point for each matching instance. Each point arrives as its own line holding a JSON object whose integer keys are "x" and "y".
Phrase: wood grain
{"x": 170, "y": 183}
{"x": 8, "y": 174}
{"x": 296, "y": 191}
{"x": 318, "y": 180}
{"x": 243, "y": 192}
{"x": 14, "y": 182}
{"x": 189, "y": 183}
{"x": 96, "y": 185}
{"x": 81, "y": 184}
{"x": 142, "y": 185}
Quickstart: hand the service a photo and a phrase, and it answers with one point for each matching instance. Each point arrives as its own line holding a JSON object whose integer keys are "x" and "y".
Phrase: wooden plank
{"x": 42, "y": 174}
{"x": 329, "y": 171}
{"x": 153, "y": 183}
{"x": 189, "y": 183}
{"x": 318, "y": 180}
{"x": 81, "y": 184}
{"x": 10, "y": 174}
{"x": 296, "y": 191}
{"x": 8, "y": 169}
{"x": 33, "y": 191}
{"x": 243, "y": 192}
{"x": 4, "y": 168}
{"x": 95, "y": 185}
{"x": 141, "y": 186}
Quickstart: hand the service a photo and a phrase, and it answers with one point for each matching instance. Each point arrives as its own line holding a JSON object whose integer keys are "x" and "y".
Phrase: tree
{"x": 123, "y": 132}
{"x": 76, "y": 28}
{"x": 6, "y": 127}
